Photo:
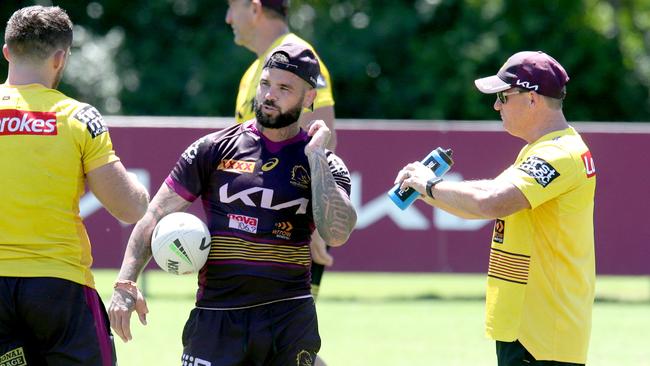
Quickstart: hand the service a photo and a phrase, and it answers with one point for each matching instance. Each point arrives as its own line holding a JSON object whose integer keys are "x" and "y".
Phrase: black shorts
{"x": 317, "y": 271}
{"x": 515, "y": 354}
{"x": 284, "y": 333}
{"x": 54, "y": 322}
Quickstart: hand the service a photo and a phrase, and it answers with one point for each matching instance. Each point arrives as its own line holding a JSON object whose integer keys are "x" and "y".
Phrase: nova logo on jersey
{"x": 300, "y": 177}
{"x": 239, "y": 166}
{"x": 282, "y": 230}
{"x": 17, "y": 122}
{"x": 243, "y": 223}
{"x": 538, "y": 168}
{"x": 265, "y": 202}
{"x": 588, "y": 161}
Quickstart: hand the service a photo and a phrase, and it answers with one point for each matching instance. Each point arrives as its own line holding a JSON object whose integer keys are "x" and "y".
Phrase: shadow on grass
{"x": 413, "y": 298}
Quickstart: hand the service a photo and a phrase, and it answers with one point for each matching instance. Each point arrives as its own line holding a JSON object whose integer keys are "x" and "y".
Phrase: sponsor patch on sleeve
{"x": 588, "y": 161}
{"x": 339, "y": 171}
{"x": 499, "y": 231}
{"x": 540, "y": 169}
{"x": 93, "y": 120}
{"x": 192, "y": 151}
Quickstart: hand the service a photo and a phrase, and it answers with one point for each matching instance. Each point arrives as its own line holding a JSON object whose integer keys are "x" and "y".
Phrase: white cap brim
{"x": 491, "y": 84}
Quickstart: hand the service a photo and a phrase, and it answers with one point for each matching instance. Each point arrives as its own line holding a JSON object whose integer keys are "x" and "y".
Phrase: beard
{"x": 283, "y": 119}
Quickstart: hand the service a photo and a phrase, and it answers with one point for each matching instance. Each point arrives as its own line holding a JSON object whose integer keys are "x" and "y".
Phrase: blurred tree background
{"x": 398, "y": 59}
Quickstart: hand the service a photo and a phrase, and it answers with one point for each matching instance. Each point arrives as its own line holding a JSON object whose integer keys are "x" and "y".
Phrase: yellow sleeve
{"x": 246, "y": 93}
{"x": 95, "y": 141}
{"x": 543, "y": 174}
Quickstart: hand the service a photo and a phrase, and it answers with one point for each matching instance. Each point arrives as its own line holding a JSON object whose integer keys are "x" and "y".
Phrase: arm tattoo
{"x": 333, "y": 213}
{"x": 138, "y": 250}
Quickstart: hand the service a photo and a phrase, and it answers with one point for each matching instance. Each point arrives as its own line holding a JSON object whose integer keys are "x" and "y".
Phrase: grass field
{"x": 388, "y": 319}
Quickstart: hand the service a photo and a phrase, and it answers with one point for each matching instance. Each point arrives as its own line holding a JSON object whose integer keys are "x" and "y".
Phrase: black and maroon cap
{"x": 281, "y": 6}
{"x": 296, "y": 59}
{"x": 530, "y": 70}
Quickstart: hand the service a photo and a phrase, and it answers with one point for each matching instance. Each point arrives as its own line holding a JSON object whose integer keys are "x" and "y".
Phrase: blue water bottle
{"x": 439, "y": 160}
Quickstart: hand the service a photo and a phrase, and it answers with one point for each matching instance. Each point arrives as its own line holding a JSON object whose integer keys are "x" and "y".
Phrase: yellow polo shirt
{"x": 48, "y": 142}
{"x": 542, "y": 269}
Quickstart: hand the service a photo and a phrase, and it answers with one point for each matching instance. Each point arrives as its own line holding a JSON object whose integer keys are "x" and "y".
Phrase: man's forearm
{"x": 480, "y": 199}
{"x": 138, "y": 250}
{"x": 333, "y": 212}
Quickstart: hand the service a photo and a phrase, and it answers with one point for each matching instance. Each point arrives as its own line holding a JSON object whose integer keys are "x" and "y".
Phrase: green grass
{"x": 389, "y": 319}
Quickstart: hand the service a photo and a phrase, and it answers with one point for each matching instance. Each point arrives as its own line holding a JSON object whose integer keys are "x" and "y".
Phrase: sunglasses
{"x": 502, "y": 95}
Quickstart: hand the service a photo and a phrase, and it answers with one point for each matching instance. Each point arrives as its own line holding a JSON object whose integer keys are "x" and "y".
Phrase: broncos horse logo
{"x": 300, "y": 177}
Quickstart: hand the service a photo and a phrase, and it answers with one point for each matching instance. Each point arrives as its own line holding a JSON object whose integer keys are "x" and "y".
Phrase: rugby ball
{"x": 180, "y": 243}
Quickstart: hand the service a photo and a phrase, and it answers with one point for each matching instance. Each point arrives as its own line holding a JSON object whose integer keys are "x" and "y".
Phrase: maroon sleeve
{"x": 189, "y": 176}
{"x": 339, "y": 171}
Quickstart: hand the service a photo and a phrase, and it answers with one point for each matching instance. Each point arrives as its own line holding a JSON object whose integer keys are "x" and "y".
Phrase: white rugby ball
{"x": 180, "y": 243}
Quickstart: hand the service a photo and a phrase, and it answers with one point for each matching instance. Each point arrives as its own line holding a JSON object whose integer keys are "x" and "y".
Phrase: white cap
{"x": 491, "y": 84}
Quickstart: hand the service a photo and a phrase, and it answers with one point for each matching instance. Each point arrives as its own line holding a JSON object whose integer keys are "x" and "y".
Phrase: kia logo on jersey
{"x": 17, "y": 122}
{"x": 246, "y": 197}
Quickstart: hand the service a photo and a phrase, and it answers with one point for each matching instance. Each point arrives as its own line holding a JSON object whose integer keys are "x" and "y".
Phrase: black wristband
{"x": 431, "y": 183}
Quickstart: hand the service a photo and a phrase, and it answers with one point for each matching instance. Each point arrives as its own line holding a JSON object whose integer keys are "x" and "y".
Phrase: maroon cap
{"x": 281, "y": 6}
{"x": 529, "y": 70}
{"x": 296, "y": 59}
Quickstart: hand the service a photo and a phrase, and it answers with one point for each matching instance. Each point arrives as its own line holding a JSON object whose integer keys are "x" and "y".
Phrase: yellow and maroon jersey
{"x": 257, "y": 198}
{"x": 542, "y": 268}
{"x": 48, "y": 142}
{"x": 251, "y": 79}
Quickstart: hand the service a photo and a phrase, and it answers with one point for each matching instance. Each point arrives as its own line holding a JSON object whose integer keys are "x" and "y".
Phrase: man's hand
{"x": 126, "y": 298}
{"x": 319, "y": 250}
{"x": 414, "y": 175}
{"x": 320, "y": 137}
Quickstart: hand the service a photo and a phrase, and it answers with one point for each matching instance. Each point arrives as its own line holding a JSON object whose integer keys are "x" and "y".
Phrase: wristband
{"x": 132, "y": 289}
{"x": 129, "y": 286}
{"x": 432, "y": 183}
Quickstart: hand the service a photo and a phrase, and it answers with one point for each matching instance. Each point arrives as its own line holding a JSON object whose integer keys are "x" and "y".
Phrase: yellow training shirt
{"x": 542, "y": 269}
{"x": 249, "y": 82}
{"x": 48, "y": 142}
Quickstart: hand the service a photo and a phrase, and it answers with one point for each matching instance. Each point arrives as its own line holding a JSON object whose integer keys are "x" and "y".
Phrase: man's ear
{"x": 310, "y": 96}
{"x": 257, "y": 7}
{"x": 532, "y": 99}
{"x": 59, "y": 58}
{"x": 5, "y": 53}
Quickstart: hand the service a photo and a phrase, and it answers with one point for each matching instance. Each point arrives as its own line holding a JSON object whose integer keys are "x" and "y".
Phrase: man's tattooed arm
{"x": 333, "y": 212}
{"x": 138, "y": 250}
